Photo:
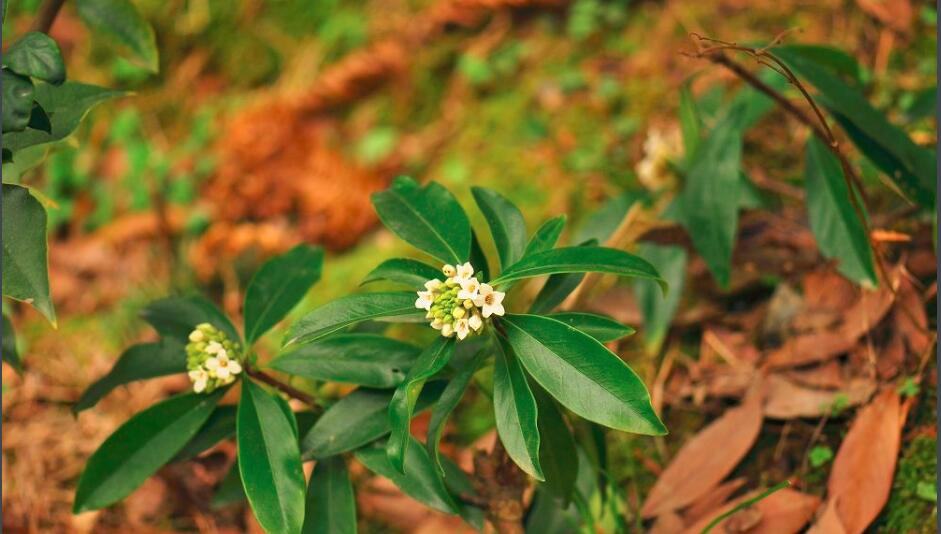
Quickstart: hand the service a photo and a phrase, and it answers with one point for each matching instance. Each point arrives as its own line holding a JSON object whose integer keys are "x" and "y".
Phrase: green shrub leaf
{"x": 431, "y": 360}
{"x": 507, "y": 225}
{"x": 8, "y": 344}
{"x": 331, "y": 505}
{"x": 123, "y": 23}
{"x": 658, "y": 309}
{"x": 557, "y": 454}
{"x": 25, "y": 267}
{"x": 546, "y": 236}
{"x": 219, "y": 426}
{"x": 365, "y": 359}
{"x": 428, "y": 218}
{"x": 18, "y": 94}
{"x": 449, "y": 400}
{"x": 269, "y": 460}
{"x": 345, "y": 311}
{"x": 839, "y": 233}
{"x": 230, "y": 490}
{"x": 278, "y": 286}
{"x": 176, "y": 317}
{"x": 139, "y": 447}
{"x": 600, "y": 327}
{"x": 579, "y": 260}
{"x": 514, "y": 409}
{"x": 558, "y": 287}
{"x": 582, "y": 374}
{"x": 412, "y": 273}
{"x": 38, "y": 56}
{"x": 139, "y": 362}
{"x": 421, "y": 482}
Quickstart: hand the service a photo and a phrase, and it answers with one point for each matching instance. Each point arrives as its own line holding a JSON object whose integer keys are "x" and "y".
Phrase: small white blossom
{"x": 197, "y": 335}
{"x": 469, "y": 289}
{"x": 464, "y": 272}
{"x": 447, "y": 330}
{"x": 475, "y": 322}
{"x": 200, "y": 379}
{"x": 425, "y": 300}
{"x": 222, "y": 367}
{"x": 432, "y": 285}
{"x": 490, "y": 301}
{"x": 449, "y": 270}
{"x": 462, "y": 327}
{"x": 214, "y": 347}
{"x": 437, "y": 324}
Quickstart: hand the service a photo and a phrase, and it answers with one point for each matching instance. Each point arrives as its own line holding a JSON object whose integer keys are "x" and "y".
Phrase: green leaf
{"x": 8, "y": 345}
{"x": 139, "y": 447}
{"x": 834, "y": 59}
{"x": 838, "y": 230}
{"x": 230, "y": 490}
{"x": 579, "y": 260}
{"x": 599, "y": 226}
{"x": 557, "y": 453}
{"x": 690, "y": 122}
{"x": 402, "y": 406}
{"x": 658, "y": 309}
{"x": 421, "y": 482}
{"x": 600, "y": 327}
{"x": 38, "y": 56}
{"x": 412, "y": 273}
{"x": 449, "y": 400}
{"x": 479, "y": 260}
{"x": 176, "y": 317}
{"x": 138, "y": 362}
{"x": 428, "y": 218}
{"x": 66, "y": 104}
{"x": 557, "y": 288}
{"x": 911, "y": 167}
{"x": 331, "y": 505}
{"x": 348, "y": 310}
{"x": 458, "y": 483}
{"x": 219, "y": 426}
{"x": 269, "y": 461}
{"x": 124, "y": 25}
{"x": 507, "y": 225}
{"x": 710, "y": 201}
{"x": 278, "y": 286}
{"x": 364, "y": 359}
{"x": 582, "y": 374}
{"x": 514, "y": 409}
{"x": 18, "y": 94}
{"x": 38, "y": 120}
{"x": 546, "y": 236}
{"x": 25, "y": 267}
{"x": 356, "y": 420}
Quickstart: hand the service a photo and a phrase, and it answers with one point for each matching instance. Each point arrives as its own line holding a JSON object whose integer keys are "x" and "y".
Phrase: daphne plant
{"x": 539, "y": 367}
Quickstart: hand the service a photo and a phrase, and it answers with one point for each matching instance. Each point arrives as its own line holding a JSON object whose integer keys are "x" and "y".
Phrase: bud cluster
{"x": 211, "y": 358}
{"x": 460, "y": 304}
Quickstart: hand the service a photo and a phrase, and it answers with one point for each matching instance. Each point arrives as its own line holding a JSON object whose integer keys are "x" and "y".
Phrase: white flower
{"x": 425, "y": 300}
{"x": 432, "y": 285}
{"x": 490, "y": 301}
{"x": 462, "y": 327}
{"x": 437, "y": 324}
{"x": 448, "y": 270}
{"x": 464, "y": 272}
{"x": 197, "y": 335}
{"x": 469, "y": 289}
{"x": 222, "y": 367}
{"x": 475, "y": 322}
{"x": 200, "y": 380}
{"x": 214, "y": 347}
{"x": 447, "y": 330}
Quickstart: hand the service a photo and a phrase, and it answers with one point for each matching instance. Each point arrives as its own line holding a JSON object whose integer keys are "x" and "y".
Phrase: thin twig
{"x": 47, "y": 15}
{"x": 281, "y": 386}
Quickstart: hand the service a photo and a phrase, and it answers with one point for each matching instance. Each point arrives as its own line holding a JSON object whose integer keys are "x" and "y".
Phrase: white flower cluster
{"x": 459, "y": 305}
{"x": 653, "y": 172}
{"x": 211, "y": 358}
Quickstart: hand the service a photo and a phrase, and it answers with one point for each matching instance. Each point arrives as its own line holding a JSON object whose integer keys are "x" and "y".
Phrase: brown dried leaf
{"x": 829, "y": 522}
{"x": 786, "y": 400}
{"x": 785, "y": 511}
{"x": 827, "y": 376}
{"x": 896, "y": 14}
{"x": 668, "y": 523}
{"x": 707, "y": 458}
{"x": 827, "y": 290}
{"x": 910, "y": 319}
{"x": 712, "y": 500}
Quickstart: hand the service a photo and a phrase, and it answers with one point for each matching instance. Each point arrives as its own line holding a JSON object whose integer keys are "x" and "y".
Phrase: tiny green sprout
{"x": 927, "y": 490}
{"x": 212, "y": 359}
{"x": 820, "y": 455}
{"x": 840, "y": 403}
{"x": 909, "y": 388}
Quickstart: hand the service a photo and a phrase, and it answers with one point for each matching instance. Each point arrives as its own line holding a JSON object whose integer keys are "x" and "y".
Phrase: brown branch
{"x": 288, "y": 389}
{"x": 500, "y": 484}
{"x": 47, "y": 15}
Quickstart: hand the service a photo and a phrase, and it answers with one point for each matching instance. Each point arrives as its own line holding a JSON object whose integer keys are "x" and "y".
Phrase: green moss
{"x": 911, "y": 508}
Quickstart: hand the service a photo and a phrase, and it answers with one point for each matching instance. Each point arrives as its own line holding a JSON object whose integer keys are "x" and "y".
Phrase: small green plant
{"x": 820, "y": 455}
{"x": 534, "y": 360}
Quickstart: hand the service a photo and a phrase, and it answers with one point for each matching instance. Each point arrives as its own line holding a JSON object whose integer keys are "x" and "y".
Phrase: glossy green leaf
{"x": 25, "y": 267}
{"x": 421, "y": 481}
{"x": 412, "y": 273}
{"x": 36, "y": 55}
{"x": 479, "y": 260}
{"x": 557, "y": 288}
{"x": 839, "y": 232}
{"x": 602, "y": 223}
{"x": 278, "y": 286}
{"x": 8, "y": 344}
{"x": 139, "y": 362}
{"x": 18, "y": 94}
{"x": 139, "y": 447}
{"x": 365, "y": 359}
{"x": 579, "y": 260}
{"x": 458, "y": 483}
{"x": 38, "y": 120}
{"x": 690, "y": 122}
{"x": 120, "y": 21}
{"x": 450, "y": 397}
{"x": 515, "y": 412}
{"x": 176, "y": 317}
{"x": 331, "y": 505}
{"x": 546, "y": 236}
{"x": 911, "y": 167}
{"x": 709, "y": 203}
{"x": 270, "y": 461}
{"x": 230, "y": 490}
{"x": 834, "y": 59}
{"x": 345, "y": 311}
{"x": 358, "y": 419}
{"x": 657, "y": 309}
{"x": 506, "y": 222}
{"x": 557, "y": 453}
{"x": 428, "y": 218}
{"x": 67, "y": 104}
{"x": 219, "y": 426}
{"x": 600, "y": 327}
{"x": 924, "y": 104}
{"x": 429, "y": 362}
{"x": 582, "y": 374}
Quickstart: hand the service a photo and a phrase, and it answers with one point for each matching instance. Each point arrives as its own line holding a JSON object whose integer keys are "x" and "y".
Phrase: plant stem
{"x": 288, "y": 389}
{"x": 501, "y": 485}
{"x": 47, "y": 15}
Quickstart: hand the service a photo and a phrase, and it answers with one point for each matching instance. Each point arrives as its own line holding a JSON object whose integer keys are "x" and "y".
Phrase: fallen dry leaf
{"x": 829, "y": 522}
{"x": 828, "y": 375}
{"x": 910, "y": 319}
{"x": 785, "y": 511}
{"x": 707, "y": 458}
{"x": 668, "y": 523}
{"x": 786, "y": 400}
{"x": 827, "y": 290}
{"x": 896, "y": 14}
{"x": 712, "y": 500}
{"x": 862, "y": 473}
